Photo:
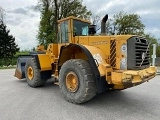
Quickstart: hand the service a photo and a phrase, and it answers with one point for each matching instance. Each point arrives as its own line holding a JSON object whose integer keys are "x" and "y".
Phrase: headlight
{"x": 123, "y": 62}
{"x": 124, "y": 48}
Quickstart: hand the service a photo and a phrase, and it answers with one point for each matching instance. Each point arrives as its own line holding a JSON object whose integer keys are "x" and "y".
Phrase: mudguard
{"x": 95, "y": 58}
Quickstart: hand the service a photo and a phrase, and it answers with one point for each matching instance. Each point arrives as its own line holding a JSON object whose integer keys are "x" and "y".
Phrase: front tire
{"x": 32, "y": 74}
{"x": 77, "y": 81}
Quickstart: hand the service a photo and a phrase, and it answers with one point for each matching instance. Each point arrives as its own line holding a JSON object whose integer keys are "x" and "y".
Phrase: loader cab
{"x": 70, "y": 27}
{"x": 80, "y": 28}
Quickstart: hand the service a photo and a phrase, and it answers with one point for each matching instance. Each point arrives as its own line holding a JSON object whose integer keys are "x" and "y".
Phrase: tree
{"x": 109, "y": 27}
{"x": 46, "y": 32}
{"x": 158, "y": 50}
{"x": 2, "y": 14}
{"x": 152, "y": 40}
{"x": 96, "y": 20}
{"x": 8, "y": 47}
{"x": 53, "y": 10}
{"x": 123, "y": 23}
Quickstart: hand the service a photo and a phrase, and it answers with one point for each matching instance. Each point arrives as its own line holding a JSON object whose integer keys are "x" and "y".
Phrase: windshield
{"x": 80, "y": 28}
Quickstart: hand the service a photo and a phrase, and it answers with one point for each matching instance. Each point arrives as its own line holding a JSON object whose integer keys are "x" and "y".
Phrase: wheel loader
{"x": 84, "y": 63}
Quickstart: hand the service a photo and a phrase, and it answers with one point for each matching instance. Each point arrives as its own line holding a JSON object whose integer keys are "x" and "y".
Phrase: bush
{"x": 12, "y": 61}
{"x": 7, "y": 62}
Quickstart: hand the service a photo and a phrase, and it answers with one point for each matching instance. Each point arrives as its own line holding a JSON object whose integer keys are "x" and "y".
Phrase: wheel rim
{"x": 72, "y": 82}
{"x": 30, "y": 73}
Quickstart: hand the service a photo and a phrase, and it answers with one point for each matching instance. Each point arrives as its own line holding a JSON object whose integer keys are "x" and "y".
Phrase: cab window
{"x": 64, "y": 32}
{"x": 80, "y": 28}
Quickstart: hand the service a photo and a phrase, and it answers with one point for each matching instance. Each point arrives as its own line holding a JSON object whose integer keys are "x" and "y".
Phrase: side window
{"x": 64, "y": 31}
{"x": 85, "y": 30}
{"x": 80, "y": 28}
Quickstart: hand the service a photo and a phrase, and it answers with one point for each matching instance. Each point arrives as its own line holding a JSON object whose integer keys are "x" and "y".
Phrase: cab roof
{"x": 75, "y": 18}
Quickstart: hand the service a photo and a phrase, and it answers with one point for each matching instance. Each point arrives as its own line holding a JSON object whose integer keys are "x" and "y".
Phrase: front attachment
{"x": 20, "y": 69}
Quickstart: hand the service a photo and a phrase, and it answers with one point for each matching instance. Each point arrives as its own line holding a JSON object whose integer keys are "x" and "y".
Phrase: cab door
{"x": 63, "y": 33}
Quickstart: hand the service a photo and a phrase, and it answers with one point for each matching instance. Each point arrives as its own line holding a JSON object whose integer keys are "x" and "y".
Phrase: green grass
{"x": 7, "y": 67}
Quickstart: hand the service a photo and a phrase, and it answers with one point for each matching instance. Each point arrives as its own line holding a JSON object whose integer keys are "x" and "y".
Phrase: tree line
{"x": 8, "y": 47}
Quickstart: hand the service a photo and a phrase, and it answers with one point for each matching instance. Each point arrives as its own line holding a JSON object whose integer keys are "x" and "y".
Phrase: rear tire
{"x": 32, "y": 74}
{"x": 77, "y": 81}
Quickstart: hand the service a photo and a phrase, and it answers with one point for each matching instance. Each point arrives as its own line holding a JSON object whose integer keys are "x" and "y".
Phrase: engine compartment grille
{"x": 138, "y": 53}
{"x": 142, "y": 52}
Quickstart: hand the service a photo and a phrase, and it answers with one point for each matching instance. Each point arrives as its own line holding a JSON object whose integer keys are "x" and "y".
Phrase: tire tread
{"x": 37, "y": 81}
{"x": 90, "y": 89}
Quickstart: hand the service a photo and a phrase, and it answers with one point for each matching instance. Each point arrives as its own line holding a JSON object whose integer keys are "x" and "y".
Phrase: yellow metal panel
{"x": 52, "y": 51}
{"x": 108, "y": 74}
{"x": 44, "y": 61}
{"x": 83, "y": 40}
{"x": 116, "y": 78}
{"x": 120, "y": 40}
{"x": 102, "y": 70}
{"x": 122, "y": 37}
{"x": 80, "y": 55}
{"x": 70, "y": 31}
{"x": 40, "y": 48}
{"x": 136, "y": 79}
{"x": 100, "y": 58}
{"x": 131, "y": 78}
{"x": 119, "y": 55}
{"x": 101, "y": 42}
{"x": 150, "y": 70}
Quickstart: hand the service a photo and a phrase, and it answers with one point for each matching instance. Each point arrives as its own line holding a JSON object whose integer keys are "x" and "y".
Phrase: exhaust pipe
{"x": 103, "y": 24}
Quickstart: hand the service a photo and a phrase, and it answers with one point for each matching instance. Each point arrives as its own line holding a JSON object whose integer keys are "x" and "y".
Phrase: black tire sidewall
{"x": 36, "y": 73}
{"x": 74, "y": 97}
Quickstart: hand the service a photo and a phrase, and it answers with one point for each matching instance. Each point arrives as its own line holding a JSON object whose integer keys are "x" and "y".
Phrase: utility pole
{"x": 2, "y": 14}
{"x": 154, "y": 55}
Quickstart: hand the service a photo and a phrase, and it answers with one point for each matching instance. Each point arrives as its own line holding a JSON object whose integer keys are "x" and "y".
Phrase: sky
{"x": 23, "y": 19}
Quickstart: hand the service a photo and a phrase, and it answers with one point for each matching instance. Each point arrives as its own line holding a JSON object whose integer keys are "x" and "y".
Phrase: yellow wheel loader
{"x": 84, "y": 63}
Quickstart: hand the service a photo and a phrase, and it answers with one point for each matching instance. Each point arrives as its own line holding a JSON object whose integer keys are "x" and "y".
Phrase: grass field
{"x": 9, "y": 67}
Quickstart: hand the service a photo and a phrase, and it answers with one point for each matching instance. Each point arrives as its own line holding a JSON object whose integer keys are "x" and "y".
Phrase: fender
{"x": 77, "y": 51}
